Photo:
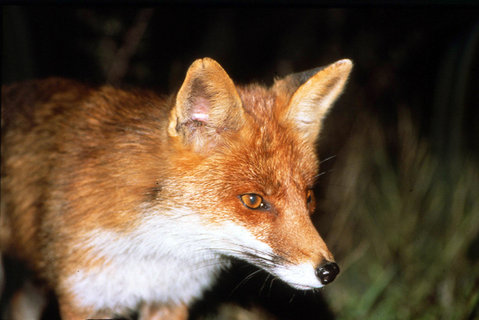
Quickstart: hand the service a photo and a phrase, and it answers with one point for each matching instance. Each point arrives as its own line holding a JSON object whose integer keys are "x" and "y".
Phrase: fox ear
{"x": 313, "y": 93}
{"x": 207, "y": 106}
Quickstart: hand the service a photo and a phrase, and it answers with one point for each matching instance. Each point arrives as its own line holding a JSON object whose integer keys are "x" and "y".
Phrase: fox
{"x": 123, "y": 199}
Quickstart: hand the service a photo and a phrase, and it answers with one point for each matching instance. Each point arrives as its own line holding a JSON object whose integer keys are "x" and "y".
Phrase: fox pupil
{"x": 254, "y": 201}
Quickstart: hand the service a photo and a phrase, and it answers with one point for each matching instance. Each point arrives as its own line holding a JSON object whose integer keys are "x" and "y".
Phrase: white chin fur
{"x": 301, "y": 276}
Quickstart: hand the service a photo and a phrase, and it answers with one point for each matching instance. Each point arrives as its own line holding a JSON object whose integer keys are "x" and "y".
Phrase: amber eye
{"x": 252, "y": 201}
{"x": 310, "y": 201}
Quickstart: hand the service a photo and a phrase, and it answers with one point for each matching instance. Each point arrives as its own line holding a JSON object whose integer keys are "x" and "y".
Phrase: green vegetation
{"x": 405, "y": 228}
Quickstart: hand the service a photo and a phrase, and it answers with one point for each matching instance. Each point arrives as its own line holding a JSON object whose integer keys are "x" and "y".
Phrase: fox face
{"x": 123, "y": 199}
{"x": 257, "y": 165}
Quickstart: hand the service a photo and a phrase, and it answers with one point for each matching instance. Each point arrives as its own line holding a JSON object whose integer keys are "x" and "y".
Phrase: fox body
{"x": 123, "y": 200}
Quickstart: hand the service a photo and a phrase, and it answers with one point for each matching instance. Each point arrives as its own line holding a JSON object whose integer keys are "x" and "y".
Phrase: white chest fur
{"x": 126, "y": 281}
{"x": 164, "y": 260}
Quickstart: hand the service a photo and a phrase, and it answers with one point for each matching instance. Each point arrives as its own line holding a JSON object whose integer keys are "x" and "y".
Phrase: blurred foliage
{"x": 404, "y": 228}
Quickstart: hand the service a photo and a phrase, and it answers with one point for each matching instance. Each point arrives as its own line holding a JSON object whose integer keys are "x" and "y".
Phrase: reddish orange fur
{"x": 77, "y": 157}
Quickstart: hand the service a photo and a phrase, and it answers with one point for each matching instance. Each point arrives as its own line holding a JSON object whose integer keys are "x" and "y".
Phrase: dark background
{"x": 423, "y": 59}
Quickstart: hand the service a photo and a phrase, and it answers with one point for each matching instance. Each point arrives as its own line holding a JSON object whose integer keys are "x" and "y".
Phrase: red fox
{"x": 121, "y": 200}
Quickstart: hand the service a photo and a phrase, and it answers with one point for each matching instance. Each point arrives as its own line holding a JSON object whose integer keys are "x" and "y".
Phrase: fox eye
{"x": 253, "y": 201}
{"x": 310, "y": 201}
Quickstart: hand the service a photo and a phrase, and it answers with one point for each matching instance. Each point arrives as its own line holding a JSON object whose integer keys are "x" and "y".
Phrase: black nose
{"x": 327, "y": 272}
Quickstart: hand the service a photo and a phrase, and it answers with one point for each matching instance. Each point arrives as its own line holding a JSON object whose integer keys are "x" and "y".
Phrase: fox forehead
{"x": 270, "y": 154}
{"x": 258, "y": 101}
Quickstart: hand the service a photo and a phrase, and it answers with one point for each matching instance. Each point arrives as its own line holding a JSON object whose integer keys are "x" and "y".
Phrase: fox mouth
{"x": 299, "y": 276}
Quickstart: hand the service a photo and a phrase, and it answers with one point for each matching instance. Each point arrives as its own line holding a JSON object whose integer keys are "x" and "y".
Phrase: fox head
{"x": 247, "y": 161}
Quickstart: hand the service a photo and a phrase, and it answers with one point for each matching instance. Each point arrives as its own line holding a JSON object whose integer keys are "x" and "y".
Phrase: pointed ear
{"x": 313, "y": 93}
{"x": 207, "y": 106}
